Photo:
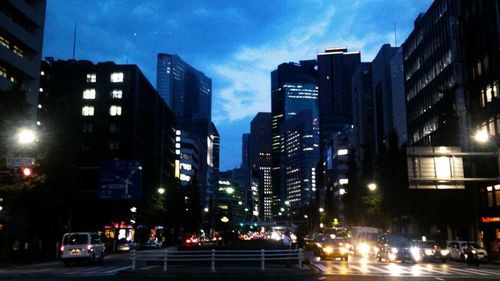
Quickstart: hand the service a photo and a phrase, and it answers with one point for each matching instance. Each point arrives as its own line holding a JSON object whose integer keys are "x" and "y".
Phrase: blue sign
{"x": 120, "y": 179}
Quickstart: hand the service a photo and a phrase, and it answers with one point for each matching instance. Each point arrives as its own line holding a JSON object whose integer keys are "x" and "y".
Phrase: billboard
{"x": 120, "y": 179}
{"x": 435, "y": 167}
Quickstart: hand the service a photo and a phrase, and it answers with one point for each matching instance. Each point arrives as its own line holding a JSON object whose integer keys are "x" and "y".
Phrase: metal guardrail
{"x": 213, "y": 256}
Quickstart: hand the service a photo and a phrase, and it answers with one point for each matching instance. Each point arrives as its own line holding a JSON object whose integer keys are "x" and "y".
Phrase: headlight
{"x": 445, "y": 252}
{"x": 319, "y": 245}
{"x": 363, "y": 248}
{"x": 428, "y": 252}
{"x": 392, "y": 257}
{"x": 415, "y": 252}
{"x": 328, "y": 250}
{"x": 474, "y": 251}
{"x": 394, "y": 250}
{"x": 343, "y": 250}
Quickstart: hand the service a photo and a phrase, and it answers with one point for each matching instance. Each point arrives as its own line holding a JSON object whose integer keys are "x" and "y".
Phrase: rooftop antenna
{"x": 395, "y": 37}
{"x": 74, "y": 42}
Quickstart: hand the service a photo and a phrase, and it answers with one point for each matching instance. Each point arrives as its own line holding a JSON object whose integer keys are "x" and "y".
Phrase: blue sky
{"x": 237, "y": 43}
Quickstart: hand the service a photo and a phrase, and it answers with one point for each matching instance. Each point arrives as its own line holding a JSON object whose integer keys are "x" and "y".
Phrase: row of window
{"x": 114, "y": 110}
{"x": 493, "y": 195}
{"x": 489, "y": 126}
{"x": 116, "y": 77}
{"x": 14, "y": 48}
{"x": 489, "y": 93}
{"x": 90, "y": 94}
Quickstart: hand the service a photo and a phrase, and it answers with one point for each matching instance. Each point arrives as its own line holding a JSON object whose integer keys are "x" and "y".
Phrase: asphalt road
{"x": 115, "y": 267}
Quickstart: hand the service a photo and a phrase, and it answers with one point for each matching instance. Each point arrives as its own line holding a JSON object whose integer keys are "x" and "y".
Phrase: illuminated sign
{"x": 490, "y": 219}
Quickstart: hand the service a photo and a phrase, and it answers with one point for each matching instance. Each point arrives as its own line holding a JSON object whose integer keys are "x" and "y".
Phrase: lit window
{"x": 88, "y": 111}
{"x": 117, "y": 77}
{"x": 89, "y": 94}
{"x": 3, "y": 72}
{"x": 91, "y": 77}
{"x": 115, "y": 110}
{"x": 4, "y": 42}
{"x": 18, "y": 51}
{"x": 116, "y": 94}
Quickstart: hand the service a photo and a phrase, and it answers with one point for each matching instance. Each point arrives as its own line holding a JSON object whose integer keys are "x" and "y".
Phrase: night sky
{"x": 235, "y": 43}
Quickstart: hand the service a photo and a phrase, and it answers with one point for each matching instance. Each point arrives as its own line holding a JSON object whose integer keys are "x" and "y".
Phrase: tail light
{"x": 62, "y": 248}
{"x": 89, "y": 248}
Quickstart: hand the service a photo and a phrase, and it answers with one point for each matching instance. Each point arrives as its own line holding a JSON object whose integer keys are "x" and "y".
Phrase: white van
{"x": 457, "y": 252}
{"x": 77, "y": 246}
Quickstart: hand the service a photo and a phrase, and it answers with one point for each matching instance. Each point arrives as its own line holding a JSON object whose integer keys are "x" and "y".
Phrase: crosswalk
{"x": 88, "y": 271}
{"x": 414, "y": 270}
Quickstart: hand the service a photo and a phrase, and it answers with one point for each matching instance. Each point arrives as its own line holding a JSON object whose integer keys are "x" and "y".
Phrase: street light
{"x": 205, "y": 210}
{"x": 26, "y": 136}
{"x": 481, "y": 136}
{"x": 161, "y": 190}
{"x": 372, "y": 186}
{"x": 321, "y": 210}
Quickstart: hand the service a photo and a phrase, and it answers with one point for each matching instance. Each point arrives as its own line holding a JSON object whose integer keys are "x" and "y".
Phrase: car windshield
{"x": 75, "y": 239}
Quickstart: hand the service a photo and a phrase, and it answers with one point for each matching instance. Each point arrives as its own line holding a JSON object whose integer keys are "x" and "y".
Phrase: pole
{"x": 133, "y": 259}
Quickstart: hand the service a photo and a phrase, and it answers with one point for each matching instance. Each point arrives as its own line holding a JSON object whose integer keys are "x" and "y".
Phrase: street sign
{"x": 120, "y": 179}
{"x": 20, "y": 161}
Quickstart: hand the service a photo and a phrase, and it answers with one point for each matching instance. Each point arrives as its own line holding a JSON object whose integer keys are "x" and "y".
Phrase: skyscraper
{"x": 259, "y": 160}
{"x": 382, "y": 96}
{"x": 399, "y": 97}
{"x": 187, "y": 91}
{"x": 294, "y": 89}
{"x": 335, "y": 69}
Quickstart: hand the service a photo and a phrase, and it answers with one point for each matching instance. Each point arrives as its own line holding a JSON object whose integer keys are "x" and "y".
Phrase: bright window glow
{"x": 91, "y": 77}
{"x": 115, "y": 110}
{"x": 88, "y": 111}
{"x": 117, "y": 77}
{"x": 186, "y": 167}
{"x": 342, "y": 152}
{"x": 443, "y": 170}
{"x": 89, "y": 94}
{"x": 482, "y": 136}
{"x": 117, "y": 94}
{"x": 343, "y": 181}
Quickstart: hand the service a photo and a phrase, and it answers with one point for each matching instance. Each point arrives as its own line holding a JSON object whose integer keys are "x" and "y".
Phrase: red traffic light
{"x": 27, "y": 172}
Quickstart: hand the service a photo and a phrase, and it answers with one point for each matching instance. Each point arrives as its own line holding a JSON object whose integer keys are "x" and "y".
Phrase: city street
{"x": 117, "y": 267}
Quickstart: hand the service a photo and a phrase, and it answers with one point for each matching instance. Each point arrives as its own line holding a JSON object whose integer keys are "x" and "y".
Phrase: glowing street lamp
{"x": 161, "y": 190}
{"x": 321, "y": 210}
{"x": 481, "y": 136}
{"x": 205, "y": 210}
{"x": 372, "y": 186}
{"x": 26, "y": 136}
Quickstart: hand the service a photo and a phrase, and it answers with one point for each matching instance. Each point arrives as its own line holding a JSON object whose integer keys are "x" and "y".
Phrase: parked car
{"x": 457, "y": 250}
{"x": 335, "y": 248}
{"x": 431, "y": 251}
{"x": 78, "y": 246}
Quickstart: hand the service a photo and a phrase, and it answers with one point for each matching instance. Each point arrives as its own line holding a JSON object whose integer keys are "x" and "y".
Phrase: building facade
{"x": 294, "y": 89}
{"x": 118, "y": 140}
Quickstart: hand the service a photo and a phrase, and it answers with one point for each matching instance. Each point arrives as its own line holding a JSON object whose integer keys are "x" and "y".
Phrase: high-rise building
{"x": 335, "y": 69}
{"x": 294, "y": 89}
{"x": 382, "y": 97}
{"x": 434, "y": 82}
{"x": 398, "y": 97}
{"x": 259, "y": 159}
{"x": 482, "y": 42}
{"x": 300, "y": 135}
{"x": 187, "y": 91}
{"x": 21, "y": 35}
{"x": 113, "y": 138}
{"x": 363, "y": 130}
